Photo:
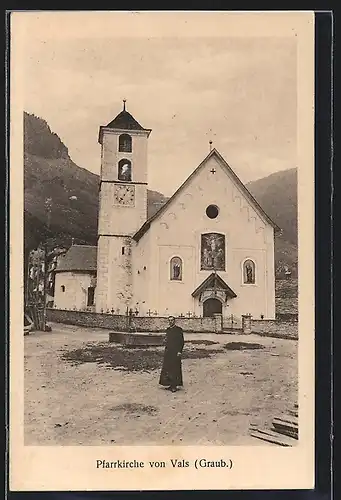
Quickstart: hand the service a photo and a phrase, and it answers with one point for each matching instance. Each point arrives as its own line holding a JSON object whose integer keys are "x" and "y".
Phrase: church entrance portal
{"x": 212, "y": 306}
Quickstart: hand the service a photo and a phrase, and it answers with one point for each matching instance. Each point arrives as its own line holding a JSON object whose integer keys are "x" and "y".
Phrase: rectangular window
{"x": 91, "y": 296}
{"x": 122, "y": 250}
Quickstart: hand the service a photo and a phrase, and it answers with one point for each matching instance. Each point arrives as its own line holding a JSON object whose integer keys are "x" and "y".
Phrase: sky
{"x": 238, "y": 91}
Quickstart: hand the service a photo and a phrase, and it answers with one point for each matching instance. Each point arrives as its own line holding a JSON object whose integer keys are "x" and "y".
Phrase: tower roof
{"x": 124, "y": 121}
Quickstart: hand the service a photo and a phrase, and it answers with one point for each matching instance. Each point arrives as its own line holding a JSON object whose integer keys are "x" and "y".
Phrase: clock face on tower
{"x": 124, "y": 195}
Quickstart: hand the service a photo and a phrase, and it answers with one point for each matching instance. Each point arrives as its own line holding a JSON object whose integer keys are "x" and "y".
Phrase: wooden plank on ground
{"x": 293, "y": 413}
{"x": 272, "y": 437}
{"x": 286, "y": 426}
{"x": 287, "y": 420}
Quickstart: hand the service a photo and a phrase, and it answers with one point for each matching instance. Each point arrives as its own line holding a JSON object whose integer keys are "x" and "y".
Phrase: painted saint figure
{"x": 177, "y": 271}
{"x": 171, "y": 373}
{"x": 249, "y": 272}
{"x": 249, "y": 277}
{"x": 207, "y": 261}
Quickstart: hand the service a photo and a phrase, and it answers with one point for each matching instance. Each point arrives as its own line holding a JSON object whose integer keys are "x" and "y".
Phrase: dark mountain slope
{"x": 277, "y": 194}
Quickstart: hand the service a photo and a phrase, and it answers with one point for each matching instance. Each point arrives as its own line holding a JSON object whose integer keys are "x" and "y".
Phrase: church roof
{"x": 212, "y": 281}
{"x": 144, "y": 228}
{"x": 78, "y": 258}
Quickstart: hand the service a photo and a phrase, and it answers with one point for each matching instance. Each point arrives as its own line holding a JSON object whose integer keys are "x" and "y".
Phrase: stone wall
{"x": 159, "y": 324}
{"x": 287, "y": 299}
{"x": 88, "y": 319}
{"x": 121, "y": 323}
{"x": 275, "y": 328}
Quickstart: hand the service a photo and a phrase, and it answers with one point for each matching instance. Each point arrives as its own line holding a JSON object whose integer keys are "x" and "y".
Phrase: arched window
{"x": 249, "y": 272}
{"x": 176, "y": 269}
{"x": 125, "y": 143}
{"x": 124, "y": 170}
{"x": 62, "y": 288}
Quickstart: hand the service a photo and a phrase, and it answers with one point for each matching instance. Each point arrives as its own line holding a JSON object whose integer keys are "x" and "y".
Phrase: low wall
{"x": 121, "y": 323}
{"x": 275, "y": 328}
{"x": 158, "y": 324}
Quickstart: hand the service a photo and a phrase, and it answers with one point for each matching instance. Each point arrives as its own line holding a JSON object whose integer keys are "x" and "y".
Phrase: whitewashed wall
{"x": 178, "y": 230}
{"x": 76, "y": 290}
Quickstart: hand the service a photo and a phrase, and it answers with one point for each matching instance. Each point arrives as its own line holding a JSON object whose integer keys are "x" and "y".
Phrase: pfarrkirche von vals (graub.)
{"x": 174, "y": 462}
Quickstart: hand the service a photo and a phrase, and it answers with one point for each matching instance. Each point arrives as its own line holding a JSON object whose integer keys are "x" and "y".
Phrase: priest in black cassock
{"x": 171, "y": 373}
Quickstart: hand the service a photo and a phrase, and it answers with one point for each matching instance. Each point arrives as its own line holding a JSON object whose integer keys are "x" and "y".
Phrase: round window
{"x": 212, "y": 211}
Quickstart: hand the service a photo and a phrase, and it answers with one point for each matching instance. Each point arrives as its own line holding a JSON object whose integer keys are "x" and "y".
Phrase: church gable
{"x": 213, "y": 176}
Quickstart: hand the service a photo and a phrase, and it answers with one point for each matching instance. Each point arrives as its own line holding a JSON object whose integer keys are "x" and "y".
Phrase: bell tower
{"x": 122, "y": 208}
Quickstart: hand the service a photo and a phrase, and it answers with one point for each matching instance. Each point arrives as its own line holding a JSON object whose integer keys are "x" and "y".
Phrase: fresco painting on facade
{"x": 213, "y": 252}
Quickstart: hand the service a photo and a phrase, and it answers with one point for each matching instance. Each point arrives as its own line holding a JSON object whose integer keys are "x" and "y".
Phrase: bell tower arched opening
{"x": 125, "y": 143}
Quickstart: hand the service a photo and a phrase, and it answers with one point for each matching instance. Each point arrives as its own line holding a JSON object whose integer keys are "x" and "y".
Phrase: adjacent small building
{"x": 75, "y": 278}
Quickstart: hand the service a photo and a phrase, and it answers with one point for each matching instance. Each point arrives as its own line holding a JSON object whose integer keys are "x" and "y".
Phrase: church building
{"x": 209, "y": 249}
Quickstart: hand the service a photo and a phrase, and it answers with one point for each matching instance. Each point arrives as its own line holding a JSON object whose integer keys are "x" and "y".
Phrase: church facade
{"x": 209, "y": 249}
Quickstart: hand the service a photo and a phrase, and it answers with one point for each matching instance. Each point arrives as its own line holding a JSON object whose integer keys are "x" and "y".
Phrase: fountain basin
{"x": 137, "y": 339}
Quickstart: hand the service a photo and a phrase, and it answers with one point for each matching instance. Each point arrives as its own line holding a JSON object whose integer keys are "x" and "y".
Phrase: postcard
{"x": 161, "y": 250}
